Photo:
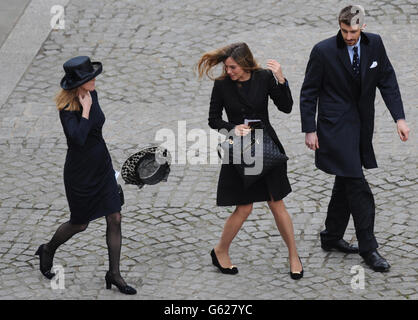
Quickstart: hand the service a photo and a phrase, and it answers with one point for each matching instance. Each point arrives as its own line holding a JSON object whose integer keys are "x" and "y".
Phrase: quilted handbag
{"x": 246, "y": 155}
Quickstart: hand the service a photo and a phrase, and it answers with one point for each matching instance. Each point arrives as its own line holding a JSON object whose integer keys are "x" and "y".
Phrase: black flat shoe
{"x": 45, "y": 262}
{"x": 296, "y": 275}
{"x": 339, "y": 245}
{"x": 230, "y": 270}
{"x": 122, "y": 288}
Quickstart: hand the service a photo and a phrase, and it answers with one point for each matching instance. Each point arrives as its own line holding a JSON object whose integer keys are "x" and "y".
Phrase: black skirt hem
{"x": 77, "y": 221}
{"x": 238, "y": 203}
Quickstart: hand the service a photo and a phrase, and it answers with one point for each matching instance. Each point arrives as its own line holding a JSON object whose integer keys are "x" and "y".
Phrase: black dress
{"x": 89, "y": 178}
{"x": 249, "y": 100}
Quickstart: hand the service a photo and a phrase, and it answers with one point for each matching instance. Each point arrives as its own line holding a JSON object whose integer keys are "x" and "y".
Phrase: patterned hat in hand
{"x": 150, "y": 165}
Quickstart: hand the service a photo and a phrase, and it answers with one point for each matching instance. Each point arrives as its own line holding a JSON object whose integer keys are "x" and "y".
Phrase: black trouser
{"x": 351, "y": 195}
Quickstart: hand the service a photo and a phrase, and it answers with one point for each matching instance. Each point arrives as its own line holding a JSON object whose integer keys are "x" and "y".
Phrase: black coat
{"x": 345, "y": 120}
{"x": 238, "y": 106}
{"x": 89, "y": 178}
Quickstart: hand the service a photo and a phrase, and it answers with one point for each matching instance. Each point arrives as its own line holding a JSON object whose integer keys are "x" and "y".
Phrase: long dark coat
{"x": 238, "y": 106}
{"x": 346, "y": 107}
{"x": 89, "y": 178}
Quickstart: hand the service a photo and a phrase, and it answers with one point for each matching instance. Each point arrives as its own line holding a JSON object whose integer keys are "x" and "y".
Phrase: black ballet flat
{"x": 297, "y": 275}
{"x": 230, "y": 270}
{"x": 43, "y": 266}
{"x": 124, "y": 289}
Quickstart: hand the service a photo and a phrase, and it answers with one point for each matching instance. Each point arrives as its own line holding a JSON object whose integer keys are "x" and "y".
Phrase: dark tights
{"x": 113, "y": 241}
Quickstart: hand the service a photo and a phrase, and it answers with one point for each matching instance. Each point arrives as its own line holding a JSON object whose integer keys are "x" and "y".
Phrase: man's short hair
{"x": 348, "y": 13}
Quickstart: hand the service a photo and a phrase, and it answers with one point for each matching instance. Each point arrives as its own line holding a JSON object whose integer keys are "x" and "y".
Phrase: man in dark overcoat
{"x": 340, "y": 83}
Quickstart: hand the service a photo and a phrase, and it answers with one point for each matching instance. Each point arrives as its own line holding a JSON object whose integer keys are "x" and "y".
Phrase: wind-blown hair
{"x": 240, "y": 52}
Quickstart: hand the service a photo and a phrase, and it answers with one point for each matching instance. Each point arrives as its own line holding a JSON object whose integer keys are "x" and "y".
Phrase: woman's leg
{"x": 285, "y": 226}
{"x": 232, "y": 226}
{"x": 63, "y": 234}
{"x": 114, "y": 243}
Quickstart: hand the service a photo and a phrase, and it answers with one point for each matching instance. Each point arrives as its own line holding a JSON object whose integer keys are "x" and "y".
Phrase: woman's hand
{"x": 242, "y": 130}
{"x": 276, "y": 68}
{"x": 85, "y": 100}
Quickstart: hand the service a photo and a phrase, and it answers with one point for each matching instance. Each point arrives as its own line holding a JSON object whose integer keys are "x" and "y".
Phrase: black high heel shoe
{"x": 231, "y": 270}
{"x": 297, "y": 275}
{"x": 44, "y": 266}
{"x": 124, "y": 289}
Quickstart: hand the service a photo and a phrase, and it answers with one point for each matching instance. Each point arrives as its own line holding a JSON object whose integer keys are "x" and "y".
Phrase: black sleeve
{"x": 280, "y": 94}
{"x": 215, "y": 111}
{"x": 310, "y": 91}
{"x": 388, "y": 86}
{"x": 76, "y": 129}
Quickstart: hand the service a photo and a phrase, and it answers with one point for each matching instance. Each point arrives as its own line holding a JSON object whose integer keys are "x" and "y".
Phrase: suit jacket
{"x": 345, "y": 120}
{"x": 239, "y": 106}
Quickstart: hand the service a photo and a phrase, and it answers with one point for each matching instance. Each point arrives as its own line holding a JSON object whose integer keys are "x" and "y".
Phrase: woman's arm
{"x": 280, "y": 93}
{"x": 215, "y": 110}
{"x": 76, "y": 130}
{"x": 279, "y": 90}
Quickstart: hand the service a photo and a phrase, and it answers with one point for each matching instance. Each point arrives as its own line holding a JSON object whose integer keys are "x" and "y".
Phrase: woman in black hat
{"x": 243, "y": 90}
{"x": 89, "y": 178}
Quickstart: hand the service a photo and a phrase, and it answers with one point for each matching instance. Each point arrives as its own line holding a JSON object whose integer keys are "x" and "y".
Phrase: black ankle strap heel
{"x": 122, "y": 288}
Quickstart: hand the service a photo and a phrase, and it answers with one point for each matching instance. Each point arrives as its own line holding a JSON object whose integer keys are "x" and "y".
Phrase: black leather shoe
{"x": 339, "y": 245}
{"x": 45, "y": 262}
{"x": 122, "y": 288}
{"x": 375, "y": 261}
{"x": 230, "y": 270}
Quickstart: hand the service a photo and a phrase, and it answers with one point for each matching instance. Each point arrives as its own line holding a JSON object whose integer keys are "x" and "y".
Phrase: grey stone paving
{"x": 10, "y": 11}
{"x": 148, "y": 49}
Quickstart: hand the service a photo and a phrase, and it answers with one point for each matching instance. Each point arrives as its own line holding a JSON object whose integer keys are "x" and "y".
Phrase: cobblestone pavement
{"x": 148, "y": 49}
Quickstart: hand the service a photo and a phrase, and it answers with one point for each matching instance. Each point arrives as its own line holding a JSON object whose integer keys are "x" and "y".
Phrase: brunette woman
{"x": 242, "y": 91}
{"x": 89, "y": 178}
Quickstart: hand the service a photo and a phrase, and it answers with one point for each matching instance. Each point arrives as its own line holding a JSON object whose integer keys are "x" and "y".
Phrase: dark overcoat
{"x": 346, "y": 109}
{"x": 238, "y": 105}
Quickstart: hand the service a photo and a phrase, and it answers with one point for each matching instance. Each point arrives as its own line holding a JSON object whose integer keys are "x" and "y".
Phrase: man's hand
{"x": 311, "y": 140}
{"x": 403, "y": 129}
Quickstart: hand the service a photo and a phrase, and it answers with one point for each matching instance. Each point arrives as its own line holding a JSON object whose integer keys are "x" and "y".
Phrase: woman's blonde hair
{"x": 68, "y": 98}
{"x": 240, "y": 52}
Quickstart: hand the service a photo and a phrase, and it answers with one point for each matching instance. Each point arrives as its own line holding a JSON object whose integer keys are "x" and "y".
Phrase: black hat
{"x": 149, "y": 166}
{"x": 78, "y": 71}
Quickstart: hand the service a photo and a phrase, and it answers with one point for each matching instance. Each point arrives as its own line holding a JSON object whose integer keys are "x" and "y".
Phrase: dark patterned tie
{"x": 356, "y": 62}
